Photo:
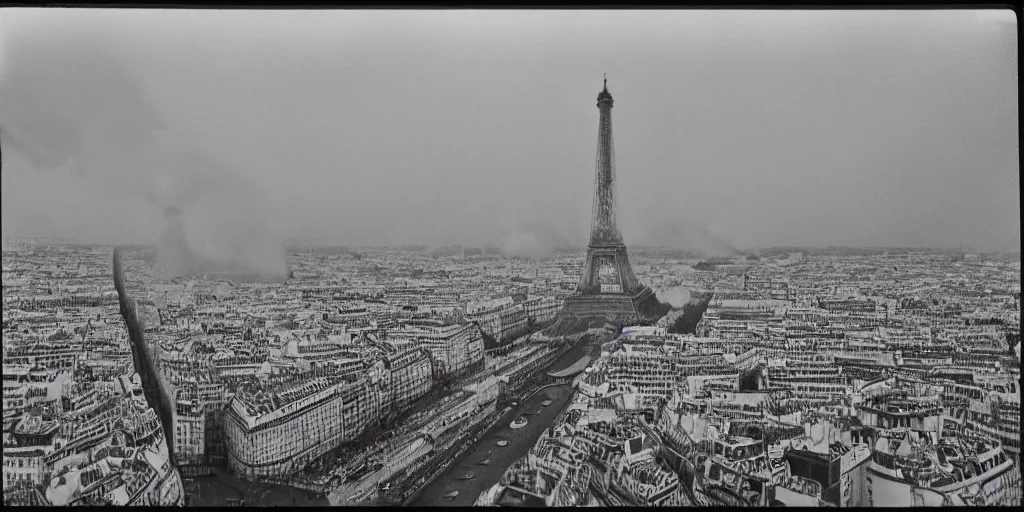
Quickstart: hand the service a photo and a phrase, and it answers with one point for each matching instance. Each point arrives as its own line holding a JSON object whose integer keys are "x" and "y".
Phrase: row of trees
{"x": 693, "y": 311}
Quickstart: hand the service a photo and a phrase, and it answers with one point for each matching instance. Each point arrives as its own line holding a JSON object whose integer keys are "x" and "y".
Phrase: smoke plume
{"x": 81, "y": 116}
{"x": 531, "y": 240}
{"x": 677, "y": 296}
{"x": 694, "y": 237}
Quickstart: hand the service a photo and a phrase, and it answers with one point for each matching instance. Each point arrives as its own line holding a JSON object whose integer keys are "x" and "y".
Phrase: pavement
{"x": 520, "y": 442}
{"x": 417, "y": 447}
{"x": 218, "y": 489}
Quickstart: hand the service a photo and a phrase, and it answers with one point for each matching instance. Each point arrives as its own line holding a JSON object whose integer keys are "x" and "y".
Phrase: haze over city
{"x": 362, "y": 258}
{"x": 733, "y": 129}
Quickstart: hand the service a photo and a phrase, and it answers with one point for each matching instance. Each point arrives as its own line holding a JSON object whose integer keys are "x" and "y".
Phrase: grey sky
{"x": 743, "y": 128}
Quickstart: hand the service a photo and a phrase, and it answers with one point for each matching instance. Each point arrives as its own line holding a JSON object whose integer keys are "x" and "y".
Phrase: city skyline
{"x": 340, "y": 258}
{"x": 398, "y": 377}
{"x": 477, "y": 127}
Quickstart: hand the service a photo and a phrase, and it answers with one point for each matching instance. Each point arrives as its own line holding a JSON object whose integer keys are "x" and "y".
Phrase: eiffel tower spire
{"x": 603, "y": 229}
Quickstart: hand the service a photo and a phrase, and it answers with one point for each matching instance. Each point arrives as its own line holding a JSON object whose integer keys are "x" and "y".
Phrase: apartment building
{"x": 501, "y": 319}
{"x": 272, "y": 434}
{"x": 541, "y": 310}
{"x": 456, "y": 347}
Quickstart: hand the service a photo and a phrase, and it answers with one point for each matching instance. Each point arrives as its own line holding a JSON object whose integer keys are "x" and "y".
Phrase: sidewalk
{"x": 220, "y": 488}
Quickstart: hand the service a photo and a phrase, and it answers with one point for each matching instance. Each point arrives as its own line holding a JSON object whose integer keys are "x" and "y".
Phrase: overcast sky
{"x": 736, "y": 128}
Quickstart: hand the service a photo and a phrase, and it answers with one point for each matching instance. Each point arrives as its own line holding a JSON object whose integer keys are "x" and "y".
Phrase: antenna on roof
{"x": 606, "y": 81}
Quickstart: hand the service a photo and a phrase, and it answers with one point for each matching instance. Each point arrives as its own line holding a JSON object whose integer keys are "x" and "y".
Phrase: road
{"x": 520, "y": 442}
{"x": 397, "y": 460}
{"x": 218, "y": 489}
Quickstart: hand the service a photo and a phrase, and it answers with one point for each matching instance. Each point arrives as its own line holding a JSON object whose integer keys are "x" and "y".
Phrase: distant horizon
{"x": 412, "y": 247}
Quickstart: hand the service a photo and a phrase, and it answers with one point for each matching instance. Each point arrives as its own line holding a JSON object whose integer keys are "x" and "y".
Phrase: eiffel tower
{"x": 608, "y": 289}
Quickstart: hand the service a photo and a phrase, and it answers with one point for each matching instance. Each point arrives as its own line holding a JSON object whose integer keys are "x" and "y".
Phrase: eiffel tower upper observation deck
{"x": 608, "y": 288}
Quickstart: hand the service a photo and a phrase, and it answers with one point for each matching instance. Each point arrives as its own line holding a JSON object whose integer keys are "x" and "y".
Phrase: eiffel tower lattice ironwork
{"x": 608, "y": 287}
